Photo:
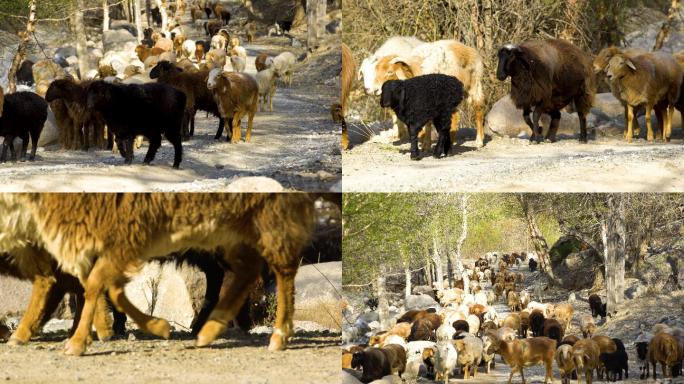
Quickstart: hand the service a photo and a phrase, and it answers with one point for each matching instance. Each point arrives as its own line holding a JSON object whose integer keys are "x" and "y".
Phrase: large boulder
{"x": 116, "y": 39}
{"x": 50, "y": 133}
{"x": 419, "y": 302}
{"x": 254, "y": 184}
{"x": 664, "y": 272}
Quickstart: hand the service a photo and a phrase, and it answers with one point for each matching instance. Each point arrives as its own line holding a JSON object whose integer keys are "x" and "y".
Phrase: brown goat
{"x": 587, "y": 326}
{"x": 664, "y": 349}
{"x": 563, "y": 312}
{"x": 586, "y": 354}
{"x": 236, "y": 94}
{"x": 547, "y": 76}
{"x": 526, "y": 352}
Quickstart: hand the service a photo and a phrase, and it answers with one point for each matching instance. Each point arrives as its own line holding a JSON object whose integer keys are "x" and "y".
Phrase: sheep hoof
{"x": 209, "y": 332}
{"x": 277, "y": 342}
{"x": 104, "y": 335}
{"x": 74, "y": 349}
{"x": 159, "y": 327}
{"x": 415, "y": 156}
{"x": 15, "y": 341}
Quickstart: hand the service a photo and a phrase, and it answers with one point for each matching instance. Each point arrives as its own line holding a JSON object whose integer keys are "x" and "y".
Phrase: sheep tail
{"x": 476, "y": 93}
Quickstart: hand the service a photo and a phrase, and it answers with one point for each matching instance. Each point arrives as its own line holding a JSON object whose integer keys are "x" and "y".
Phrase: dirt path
{"x": 513, "y": 165}
{"x": 297, "y": 144}
{"x": 625, "y": 326}
{"x": 312, "y": 358}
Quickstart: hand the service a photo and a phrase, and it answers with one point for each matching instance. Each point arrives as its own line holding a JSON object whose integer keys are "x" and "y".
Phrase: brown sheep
{"x": 424, "y": 328}
{"x": 553, "y": 330}
{"x": 213, "y": 26}
{"x": 514, "y": 301}
{"x": 564, "y": 312}
{"x": 400, "y": 329}
{"x": 587, "y": 326}
{"x": 570, "y": 340}
{"x": 653, "y": 80}
{"x": 546, "y": 76}
{"x": 81, "y": 128}
{"x": 80, "y": 231}
{"x": 585, "y": 354}
{"x": 526, "y": 352}
{"x": 373, "y": 362}
{"x": 178, "y": 41}
{"x": 143, "y": 52}
{"x": 413, "y": 315}
{"x": 606, "y": 345}
{"x": 524, "y": 323}
{"x": 236, "y": 94}
{"x": 199, "y": 51}
{"x": 164, "y": 44}
{"x": 260, "y": 62}
{"x": 250, "y": 31}
{"x": 396, "y": 354}
{"x": 512, "y": 321}
{"x": 565, "y": 362}
{"x": 664, "y": 349}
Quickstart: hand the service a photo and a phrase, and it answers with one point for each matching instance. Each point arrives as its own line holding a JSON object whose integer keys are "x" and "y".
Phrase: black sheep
{"x": 422, "y": 99}
{"x": 25, "y": 73}
{"x": 225, "y": 16}
{"x": 148, "y": 109}
{"x": 597, "y": 308}
{"x": 147, "y": 37}
{"x": 374, "y": 363}
{"x": 461, "y": 326}
{"x": 615, "y": 364}
{"x": 532, "y": 264}
{"x": 537, "y": 323}
{"x": 642, "y": 354}
{"x": 156, "y": 17}
{"x": 23, "y": 116}
{"x": 285, "y": 25}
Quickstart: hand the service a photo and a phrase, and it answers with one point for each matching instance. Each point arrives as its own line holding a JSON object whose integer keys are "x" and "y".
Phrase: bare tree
{"x": 613, "y": 235}
{"x": 138, "y": 20}
{"x": 437, "y": 261}
{"x": 23, "y": 45}
{"x": 536, "y": 237}
{"x": 315, "y": 23}
{"x": 161, "y": 4}
{"x": 667, "y": 25}
{"x": 105, "y": 15}
{"x": 383, "y": 303}
{"x": 81, "y": 39}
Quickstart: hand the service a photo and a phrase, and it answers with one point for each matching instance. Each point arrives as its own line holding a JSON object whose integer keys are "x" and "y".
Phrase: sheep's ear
{"x": 522, "y": 57}
{"x": 404, "y": 70}
{"x": 630, "y": 64}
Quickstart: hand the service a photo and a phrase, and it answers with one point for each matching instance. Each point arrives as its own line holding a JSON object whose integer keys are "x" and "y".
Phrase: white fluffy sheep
{"x": 267, "y": 87}
{"x": 238, "y": 63}
{"x": 398, "y": 45}
{"x": 283, "y": 65}
{"x": 188, "y": 49}
{"x": 219, "y": 42}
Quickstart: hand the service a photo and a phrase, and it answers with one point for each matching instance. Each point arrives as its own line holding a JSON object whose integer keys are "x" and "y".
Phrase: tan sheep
{"x": 236, "y": 94}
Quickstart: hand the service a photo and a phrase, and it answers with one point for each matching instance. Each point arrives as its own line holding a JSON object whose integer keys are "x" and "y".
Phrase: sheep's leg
{"x": 536, "y": 115}
{"x": 528, "y": 121}
{"x": 128, "y": 150}
{"x": 510, "y": 376}
{"x": 629, "y": 135}
{"x": 479, "y": 121}
{"x": 670, "y": 115}
{"x": 155, "y": 143}
{"x": 453, "y": 129}
{"x": 250, "y": 123}
{"x": 400, "y": 129}
{"x": 553, "y": 127}
{"x": 438, "y": 147}
{"x": 214, "y": 277}
{"x": 233, "y": 294}
{"x": 270, "y": 99}
{"x": 192, "y": 123}
{"x": 219, "y": 132}
{"x": 425, "y": 137}
{"x": 30, "y": 322}
{"x": 413, "y": 136}
{"x": 284, "y": 327}
{"x": 24, "y": 148}
{"x": 237, "y": 133}
{"x": 150, "y": 324}
{"x": 649, "y": 126}
{"x": 3, "y": 155}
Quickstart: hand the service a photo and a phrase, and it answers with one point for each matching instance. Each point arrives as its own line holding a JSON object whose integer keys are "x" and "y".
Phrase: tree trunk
{"x": 383, "y": 304}
{"x": 613, "y": 235}
{"x": 127, "y": 10}
{"x": 458, "y": 263}
{"x": 407, "y": 276}
{"x": 161, "y": 4}
{"x": 312, "y": 24}
{"x": 21, "y": 50}
{"x": 138, "y": 20}
{"x": 667, "y": 25}
{"x": 148, "y": 13}
{"x": 299, "y": 14}
{"x": 572, "y": 16}
{"x": 105, "y": 15}
{"x": 536, "y": 237}
{"x": 437, "y": 260}
{"x": 81, "y": 40}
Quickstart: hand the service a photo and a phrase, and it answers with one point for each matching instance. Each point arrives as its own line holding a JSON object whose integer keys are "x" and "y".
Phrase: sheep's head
{"x": 147, "y": 32}
{"x": 602, "y": 59}
{"x": 358, "y": 359}
{"x": 99, "y": 94}
{"x": 162, "y": 68}
{"x": 393, "y": 95}
{"x": 619, "y": 66}
{"x": 216, "y": 80}
{"x": 512, "y": 59}
{"x": 59, "y": 89}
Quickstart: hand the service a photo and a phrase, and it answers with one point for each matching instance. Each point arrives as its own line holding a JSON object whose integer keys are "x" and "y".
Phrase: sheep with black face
{"x": 421, "y": 99}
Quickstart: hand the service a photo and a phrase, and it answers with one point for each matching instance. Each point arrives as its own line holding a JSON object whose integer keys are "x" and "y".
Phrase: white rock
{"x": 254, "y": 184}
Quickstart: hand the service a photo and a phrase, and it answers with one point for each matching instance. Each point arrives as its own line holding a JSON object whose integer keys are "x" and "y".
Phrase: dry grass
{"x": 324, "y": 311}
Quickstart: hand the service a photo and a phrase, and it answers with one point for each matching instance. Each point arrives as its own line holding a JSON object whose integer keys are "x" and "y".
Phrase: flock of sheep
{"x": 465, "y": 331}
{"x": 147, "y": 90}
{"x": 546, "y": 77}
{"x": 89, "y": 244}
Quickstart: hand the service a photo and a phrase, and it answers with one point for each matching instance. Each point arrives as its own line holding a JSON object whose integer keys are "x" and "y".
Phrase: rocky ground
{"x": 645, "y": 310}
{"x": 296, "y": 145}
{"x": 313, "y": 357}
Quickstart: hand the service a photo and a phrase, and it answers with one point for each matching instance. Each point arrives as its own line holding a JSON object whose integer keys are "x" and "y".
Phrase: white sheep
{"x": 267, "y": 87}
{"x": 188, "y": 49}
{"x": 238, "y": 63}
{"x": 445, "y": 332}
{"x": 219, "y": 42}
{"x": 283, "y": 65}
{"x": 444, "y": 360}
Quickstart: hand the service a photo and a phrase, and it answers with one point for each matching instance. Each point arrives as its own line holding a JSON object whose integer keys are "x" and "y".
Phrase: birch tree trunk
{"x": 407, "y": 276}
{"x": 613, "y": 235}
{"x": 437, "y": 260}
{"x": 299, "y": 14}
{"x": 127, "y": 10}
{"x": 138, "y": 20}
{"x": 383, "y": 304}
{"x": 21, "y": 50}
{"x": 536, "y": 237}
{"x": 105, "y": 15}
{"x": 81, "y": 39}
{"x": 315, "y": 25}
{"x": 161, "y": 4}
{"x": 148, "y": 13}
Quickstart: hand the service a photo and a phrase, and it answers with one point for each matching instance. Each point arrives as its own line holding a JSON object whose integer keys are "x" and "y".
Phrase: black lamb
{"x": 148, "y": 109}
{"x": 23, "y": 115}
{"x": 422, "y": 99}
{"x": 615, "y": 363}
{"x": 532, "y": 264}
{"x": 25, "y": 73}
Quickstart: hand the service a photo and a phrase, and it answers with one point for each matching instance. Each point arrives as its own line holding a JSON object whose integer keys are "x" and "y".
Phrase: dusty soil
{"x": 238, "y": 358}
{"x": 513, "y": 165}
{"x": 297, "y": 144}
{"x": 646, "y": 310}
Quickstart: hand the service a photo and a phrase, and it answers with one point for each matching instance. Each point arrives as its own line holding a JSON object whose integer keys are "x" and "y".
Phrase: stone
{"x": 254, "y": 184}
{"x": 116, "y": 39}
{"x": 420, "y": 302}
